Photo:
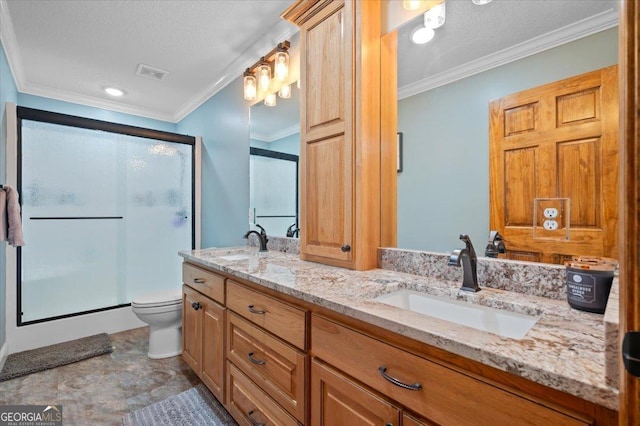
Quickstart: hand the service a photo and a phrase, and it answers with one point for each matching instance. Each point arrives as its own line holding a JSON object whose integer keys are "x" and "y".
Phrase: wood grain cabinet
{"x": 438, "y": 393}
{"x": 266, "y": 338}
{"x": 340, "y": 131}
{"x": 203, "y": 324}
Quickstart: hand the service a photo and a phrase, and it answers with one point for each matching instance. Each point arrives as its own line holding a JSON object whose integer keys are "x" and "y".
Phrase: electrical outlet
{"x": 550, "y": 213}
{"x": 550, "y": 225}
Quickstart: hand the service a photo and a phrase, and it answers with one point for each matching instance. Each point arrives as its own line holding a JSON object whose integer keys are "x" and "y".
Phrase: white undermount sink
{"x": 497, "y": 321}
{"x": 239, "y": 256}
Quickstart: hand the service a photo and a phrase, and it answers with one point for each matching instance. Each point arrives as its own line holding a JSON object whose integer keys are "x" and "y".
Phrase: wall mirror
{"x": 273, "y": 165}
{"x": 481, "y": 53}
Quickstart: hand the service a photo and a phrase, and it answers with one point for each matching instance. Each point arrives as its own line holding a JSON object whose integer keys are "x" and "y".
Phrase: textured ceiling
{"x": 71, "y": 49}
{"x": 473, "y": 32}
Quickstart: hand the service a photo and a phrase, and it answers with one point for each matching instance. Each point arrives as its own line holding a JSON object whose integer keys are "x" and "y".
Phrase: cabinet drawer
{"x": 445, "y": 396}
{"x": 280, "y": 318}
{"x": 249, "y": 405}
{"x": 275, "y": 366}
{"x": 206, "y": 282}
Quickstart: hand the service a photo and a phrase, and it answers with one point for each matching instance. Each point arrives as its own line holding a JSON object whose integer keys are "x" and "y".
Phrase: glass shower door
{"x": 104, "y": 215}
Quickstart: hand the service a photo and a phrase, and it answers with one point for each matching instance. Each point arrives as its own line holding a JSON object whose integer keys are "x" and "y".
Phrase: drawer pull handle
{"x": 196, "y": 306}
{"x": 255, "y": 361}
{"x": 199, "y": 280}
{"x": 255, "y": 311}
{"x": 252, "y": 420}
{"x": 383, "y": 372}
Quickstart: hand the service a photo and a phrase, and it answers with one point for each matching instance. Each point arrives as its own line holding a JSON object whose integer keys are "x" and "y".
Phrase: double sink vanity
{"x": 280, "y": 340}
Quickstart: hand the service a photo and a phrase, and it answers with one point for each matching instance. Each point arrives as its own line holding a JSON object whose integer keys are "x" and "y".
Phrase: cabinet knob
{"x": 345, "y": 248}
{"x": 196, "y": 306}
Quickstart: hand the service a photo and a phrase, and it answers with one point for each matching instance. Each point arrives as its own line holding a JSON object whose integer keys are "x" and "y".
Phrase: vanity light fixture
{"x": 281, "y": 64}
{"x": 258, "y": 77}
{"x": 250, "y": 89}
{"x": 285, "y": 92}
{"x": 264, "y": 75}
{"x": 433, "y": 18}
{"x": 411, "y": 4}
{"x": 270, "y": 100}
{"x": 112, "y": 91}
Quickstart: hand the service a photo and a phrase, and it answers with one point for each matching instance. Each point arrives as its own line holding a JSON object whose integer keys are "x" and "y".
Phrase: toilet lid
{"x": 159, "y": 298}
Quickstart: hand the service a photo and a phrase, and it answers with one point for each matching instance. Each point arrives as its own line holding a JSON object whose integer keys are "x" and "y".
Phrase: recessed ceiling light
{"x": 113, "y": 91}
{"x": 422, "y": 35}
{"x": 480, "y": 2}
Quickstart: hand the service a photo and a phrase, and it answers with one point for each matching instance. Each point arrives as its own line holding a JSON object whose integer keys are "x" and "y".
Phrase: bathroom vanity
{"x": 306, "y": 343}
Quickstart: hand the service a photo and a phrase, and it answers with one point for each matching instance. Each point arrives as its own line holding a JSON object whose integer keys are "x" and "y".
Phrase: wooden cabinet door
{"x": 327, "y": 137}
{"x": 336, "y": 400}
{"x": 559, "y": 140}
{"x": 213, "y": 326}
{"x": 340, "y": 120}
{"x": 191, "y": 330}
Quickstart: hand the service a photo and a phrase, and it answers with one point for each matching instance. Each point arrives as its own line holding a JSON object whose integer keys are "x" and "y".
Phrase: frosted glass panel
{"x": 159, "y": 218}
{"x": 273, "y": 193}
{"x": 104, "y": 215}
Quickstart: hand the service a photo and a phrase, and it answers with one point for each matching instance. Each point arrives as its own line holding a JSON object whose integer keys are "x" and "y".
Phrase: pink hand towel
{"x": 14, "y": 234}
{"x": 3, "y": 215}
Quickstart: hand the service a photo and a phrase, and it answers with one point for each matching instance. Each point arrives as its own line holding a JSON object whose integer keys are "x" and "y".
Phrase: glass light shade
{"x": 270, "y": 100}
{"x": 435, "y": 17}
{"x": 411, "y": 4}
{"x": 422, "y": 35}
{"x": 250, "y": 89}
{"x": 285, "y": 92}
{"x": 264, "y": 76}
{"x": 282, "y": 65}
{"x": 480, "y": 2}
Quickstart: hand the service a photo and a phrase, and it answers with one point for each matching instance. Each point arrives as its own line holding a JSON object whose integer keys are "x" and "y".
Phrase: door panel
{"x": 558, "y": 140}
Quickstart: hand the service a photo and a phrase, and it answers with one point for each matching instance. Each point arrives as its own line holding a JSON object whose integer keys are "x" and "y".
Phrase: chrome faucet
{"x": 262, "y": 236}
{"x": 469, "y": 261}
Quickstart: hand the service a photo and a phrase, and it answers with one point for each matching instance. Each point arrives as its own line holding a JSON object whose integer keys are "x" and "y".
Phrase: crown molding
{"x": 271, "y": 137}
{"x": 275, "y": 35}
{"x": 279, "y": 32}
{"x": 594, "y": 24}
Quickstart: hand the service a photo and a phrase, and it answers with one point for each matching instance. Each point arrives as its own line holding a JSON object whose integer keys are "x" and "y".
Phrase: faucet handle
{"x": 454, "y": 258}
{"x": 262, "y": 231}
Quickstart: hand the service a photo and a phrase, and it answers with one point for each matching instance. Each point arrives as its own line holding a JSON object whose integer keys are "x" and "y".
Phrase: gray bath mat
{"x": 196, "y": 406}
{"x": 34, "y": 360}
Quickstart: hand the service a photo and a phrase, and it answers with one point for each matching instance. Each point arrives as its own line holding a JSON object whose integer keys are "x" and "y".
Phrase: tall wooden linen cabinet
{"x": 340, "y": 131}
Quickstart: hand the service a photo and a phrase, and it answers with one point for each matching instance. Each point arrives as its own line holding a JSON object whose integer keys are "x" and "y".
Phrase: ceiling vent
{"x": 151, "y": 72}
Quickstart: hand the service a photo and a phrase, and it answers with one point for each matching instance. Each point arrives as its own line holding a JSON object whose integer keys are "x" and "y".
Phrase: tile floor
{"x": 100, "y": 390}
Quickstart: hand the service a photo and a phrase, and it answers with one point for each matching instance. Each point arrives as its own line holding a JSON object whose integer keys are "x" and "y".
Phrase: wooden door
{"x": 327, "y": 148}
{"x": 191, "y": 329}
{"x": 630, "y": 200}
{"x": 559, "y": 140}
{"x": 336, "y": 400}
{"x": 213, "y": 327}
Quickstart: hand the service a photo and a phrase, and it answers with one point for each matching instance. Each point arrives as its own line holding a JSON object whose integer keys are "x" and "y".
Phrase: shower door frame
{"x": 31, "y": 114}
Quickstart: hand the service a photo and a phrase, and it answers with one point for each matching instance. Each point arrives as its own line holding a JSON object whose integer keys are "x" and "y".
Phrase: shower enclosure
{"x": 105, "y": 208}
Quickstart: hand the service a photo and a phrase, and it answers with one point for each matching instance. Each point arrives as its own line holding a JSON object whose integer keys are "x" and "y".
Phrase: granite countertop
{"x": 564, "y": 350}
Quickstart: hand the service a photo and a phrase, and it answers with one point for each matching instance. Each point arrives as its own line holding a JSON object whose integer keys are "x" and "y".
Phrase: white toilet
{"x": 162, "y": 310}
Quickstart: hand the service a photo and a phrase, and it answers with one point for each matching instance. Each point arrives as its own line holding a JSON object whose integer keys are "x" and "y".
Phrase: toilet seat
{"x": 158, "y": 299}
